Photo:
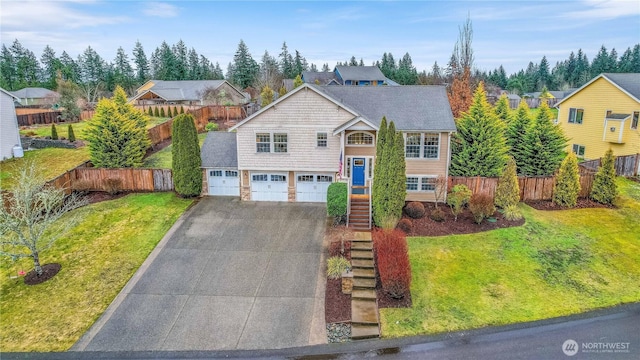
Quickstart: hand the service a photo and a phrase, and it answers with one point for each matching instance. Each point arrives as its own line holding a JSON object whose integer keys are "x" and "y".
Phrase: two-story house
{"x": 603, "y": 114}
{"x": 292, "y": 149}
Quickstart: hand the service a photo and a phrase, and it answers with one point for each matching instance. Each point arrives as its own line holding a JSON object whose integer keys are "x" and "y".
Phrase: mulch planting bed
{"x": 464, "y": 225}
{"x": 337, "y": 306}
{"x": 581, "y": 204}
{"x": 48, "y": 271}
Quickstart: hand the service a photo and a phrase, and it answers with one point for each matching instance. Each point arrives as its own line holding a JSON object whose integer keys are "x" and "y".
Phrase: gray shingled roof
{"x": 618, "y": 116}
{"x": 183, "y": 90}
{"x": 219, "y": 150}
{"x": 323, "y": 77}
{"x": 630, "y": 82}
{"x": 34, "y": 93}
{"x": 410, "y": 107}
{"x": 360, "y": 73}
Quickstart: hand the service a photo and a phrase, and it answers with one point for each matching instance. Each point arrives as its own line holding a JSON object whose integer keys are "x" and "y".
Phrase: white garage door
{"x": 224, "y": 182}
{"x": 312, "y": 187}
{"x": 269, "y": 187}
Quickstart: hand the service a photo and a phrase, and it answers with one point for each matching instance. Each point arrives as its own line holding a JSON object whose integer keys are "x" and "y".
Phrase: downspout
{"x": 446, "y": 185}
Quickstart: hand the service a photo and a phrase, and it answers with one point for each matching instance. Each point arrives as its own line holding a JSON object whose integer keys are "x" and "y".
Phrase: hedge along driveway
{"x": 98, "y": 257}
{"x": 558, "y": 263}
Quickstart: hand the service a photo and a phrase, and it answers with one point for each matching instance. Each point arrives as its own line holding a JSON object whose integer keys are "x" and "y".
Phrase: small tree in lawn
{"x": 54, "y": 132}
{"x": 479, "y": 147}
{"x": 508, "y": 189}
{"x": 604, "y": 188}
{"x": 567, "y": 187}
{"x": 516, "y": 131}
{"x": 71, "y": 134}
{"x": 297, "y": 81}
{"x": 187, "y": 176}
{"x": 502, "y": 109}
{"x": 266, "y": 96}
{"x": 30, "y": 220}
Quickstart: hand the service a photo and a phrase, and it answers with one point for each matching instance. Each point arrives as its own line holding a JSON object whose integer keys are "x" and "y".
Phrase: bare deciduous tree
{"x": 440, "y": 189}
{"x": 30, "y": 220}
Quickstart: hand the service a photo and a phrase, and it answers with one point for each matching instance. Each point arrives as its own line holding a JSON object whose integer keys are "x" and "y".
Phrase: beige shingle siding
{"x": 301, "y": 116}
{"x": 9, "y": 134}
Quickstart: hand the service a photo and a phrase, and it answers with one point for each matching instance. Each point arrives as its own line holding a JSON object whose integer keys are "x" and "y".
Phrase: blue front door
{"x": 357, "y": 175}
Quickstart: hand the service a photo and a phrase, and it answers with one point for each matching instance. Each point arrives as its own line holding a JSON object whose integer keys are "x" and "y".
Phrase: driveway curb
{"x": 82, "y": 343}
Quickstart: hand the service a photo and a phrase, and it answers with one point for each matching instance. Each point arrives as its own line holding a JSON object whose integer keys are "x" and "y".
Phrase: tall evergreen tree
{"x": 185, "y": 155}
{"x": 51, "y": 66}
{"x": 502, "y": 109}
{"x": 245, "y": 67}
{"x": 69, "y": 94}
{"x": 286, "y": 63}
{"x": 406, "y": 73}
{"x": 479, "y": 147}
{"x": 123, "y": 72}
{"x": 516, "y": 132}
{"x": 389, "y": 186}
{"x": 181, "y": 61}
{"x": 567, "y": 186}
{"x": 141, "y": 63}
{"x": 544, "y": 145}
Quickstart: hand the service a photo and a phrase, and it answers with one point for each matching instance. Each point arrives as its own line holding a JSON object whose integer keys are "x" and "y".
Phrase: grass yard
{"x": 162, "y": 159}
{"x": 51, "y": 162}
{"x": 98, "y": 257}
{"x": 558, "y": 263}
{"x": 78, "y": 128}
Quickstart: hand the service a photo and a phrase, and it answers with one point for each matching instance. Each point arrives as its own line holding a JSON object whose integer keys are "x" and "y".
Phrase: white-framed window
{"x": 305, "y": 178}
{"x": 280, "y": 143}
{"x": 278, "y": 178}
{"x": 576, "y": 115}
{"x": 231, "y": 173}
{"x": 634, "y": 120}
{"x": 422, "y": 183}
{"x": 215, "y": 173}
{"x": 263, "y": 142}
{"x": 260, "y": 177}
{"x": 321, "y": 140}
{"x": 325, "y": 178}
{"x": 422, "y": 145}
{"x": 360, "y": 139}
{"x": 578, "y": 150}
{"x": 271, "y": 142}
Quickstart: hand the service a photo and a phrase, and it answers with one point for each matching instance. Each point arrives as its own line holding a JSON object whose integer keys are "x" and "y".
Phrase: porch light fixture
{"x": 612, "y": 129}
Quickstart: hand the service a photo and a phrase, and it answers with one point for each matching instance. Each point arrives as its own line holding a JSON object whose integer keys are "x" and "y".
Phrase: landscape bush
{"x": 567, "y": 186}
{"x": 405, "y": 225}
{"x": 169, "y": 113}
{"x": 211, "y": 127}
{"x": 458, "y": 198}
{"x": 337, "y": 200}
{"x": 437, "y": 215}
{"x": 162, "y": 113}
{"x": 336, "y": 265}
{"x": 508, "y": 189}
{"x": 604, "y": 188}
{"x": 512, "y": 213}
{"x": 181, "y": 109}
{"x": 414, "y": 210}
{"x": 481, "y": 206}
{"x": 150, "y": 111}
{"x": 72, "y": 135}
{"x": 392, "y": 260}
{"x": 156, "y": 112}
{"x": 54, "y": 132}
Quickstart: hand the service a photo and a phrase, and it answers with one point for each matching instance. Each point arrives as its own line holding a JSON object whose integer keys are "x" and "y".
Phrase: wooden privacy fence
{"x": 48, "y": 117}
{"x": 628, "y": 165}
{"x": 100, "y": 179}
{"x": 531, "y": 188}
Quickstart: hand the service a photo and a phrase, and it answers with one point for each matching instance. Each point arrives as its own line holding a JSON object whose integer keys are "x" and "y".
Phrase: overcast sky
{"x": 510, "y": 33}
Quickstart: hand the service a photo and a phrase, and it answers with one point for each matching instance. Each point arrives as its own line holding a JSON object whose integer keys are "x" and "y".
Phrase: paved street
{"x": 233, "y": 275}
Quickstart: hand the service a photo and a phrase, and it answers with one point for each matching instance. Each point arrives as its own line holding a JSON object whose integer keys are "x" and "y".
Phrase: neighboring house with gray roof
{"x": 188, "y": 92}
{"x": 348, "y": 75}
{"x": 9, "y": 131}
{"x": 294, "y": 148}
{"x": 36, "y": 96}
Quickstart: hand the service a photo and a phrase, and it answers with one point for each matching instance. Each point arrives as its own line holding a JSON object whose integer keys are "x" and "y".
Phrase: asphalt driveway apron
{"x": 231, "y": 275}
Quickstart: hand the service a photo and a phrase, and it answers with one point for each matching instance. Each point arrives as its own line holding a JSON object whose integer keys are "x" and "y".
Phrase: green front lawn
{"x": 162, "y": 159}
{"x": 558, "y": 263}
{"x": 51, "y": 162}
{"x": 98, "y": 257}
{"x": 78, "y": 128}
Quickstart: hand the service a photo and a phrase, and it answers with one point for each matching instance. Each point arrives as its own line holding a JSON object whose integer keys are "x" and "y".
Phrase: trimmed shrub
{"x": 414, "y": 210}
{"x": 405, "y": 225}
{"x": 150, "y": 112}
{"x": 156, "y": 112}
{"x": 211, "y": 127}
{"x": 508, "y": 189}
{"x": 512, "y": 213}
{"x": 72, "y": 135}
{"x": 604, "y": 188}
{"x": 337, "y": 200}
{"x": 54, "y": 132}
{"x": 437, "y": 215}
{"x": 162, "y": 113}
{"x": 481, "y": 206}
{"x": 392, "y": 260}
{"x": 458, "y": 198}
{"x": 181, "y": 109}
{"x": 185, "y": 154}
{"x": 336, "y": 265}
{"x": 175, "y": 111}
{"x": 169, "y": 113}
{"x": 567, "y": 186}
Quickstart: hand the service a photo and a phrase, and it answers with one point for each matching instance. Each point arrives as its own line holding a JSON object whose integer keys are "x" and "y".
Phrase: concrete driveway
{"x": 229, "y": 275}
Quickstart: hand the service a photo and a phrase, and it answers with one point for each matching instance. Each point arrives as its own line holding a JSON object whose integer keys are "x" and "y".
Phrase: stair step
{"x": 362, "y": 245}
{"x": 363, "y": 283}
{"x": 362, "y": 263}
{"x": 364, "y": 216}
{"x": 364, "y": 312}
{"x": 362, "y": 236}
{"x": 368, "y": 294}
{"x": 364, "y": 273}
{"x": 360, "y": 332}
{"x": 361, "y": 254}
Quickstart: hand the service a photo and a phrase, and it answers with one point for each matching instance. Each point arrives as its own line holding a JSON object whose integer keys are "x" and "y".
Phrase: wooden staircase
{"x": 359, "y": 213}
{"x": 365, "y": 322}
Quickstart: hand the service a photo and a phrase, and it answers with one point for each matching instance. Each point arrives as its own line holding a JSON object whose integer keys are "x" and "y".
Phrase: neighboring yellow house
{"x": 603, "y": 114}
